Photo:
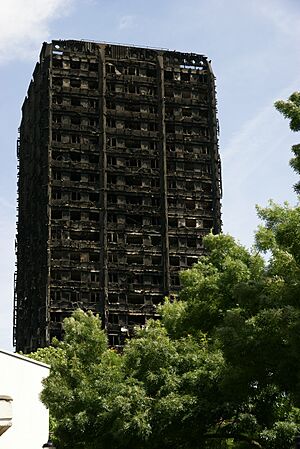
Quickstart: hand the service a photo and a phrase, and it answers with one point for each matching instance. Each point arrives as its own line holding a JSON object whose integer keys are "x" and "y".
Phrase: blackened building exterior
{"x": 119, "y": 179}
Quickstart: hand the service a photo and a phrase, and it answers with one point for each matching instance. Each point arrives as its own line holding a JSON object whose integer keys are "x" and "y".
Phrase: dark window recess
{"x": 93, "y": 236}
{"x": 207, "y": 224}
{"x": 93, "y": 67}
{"x": 173, "y": 242}
{"x": 134, "y": 200}
{"x": 57, "y": 99}
{"x": 75, "y": 275}
{"x": 93, "y": 196}
{"x": 191, "y": 242}
{"x": 175, "y": 280}
{"x": 95, "y": 297}
{"x": 154, "y": 163}
{"x": 190, "y": 166}
{"x": 93, "y": 177}
{"x": 113, "y": 298}
{"x": 94, "y": 216}
{"x": 190, "y": 204}
{"x": 155, "y": 182}
{"x": 174, "y": 261}
{"x": 56, "y": 137}
{"x": 75, "y": 257}
{"x": 134, "y": 239}
{"x": 56, "y": 234}
{"x": 168, "y": 75}
{"x": 170, "y": 128}
{"x": 75, "y": 139}
{"x": 112, "y": 218}
{"x": 55, "y": 317}
{"x": 155, "y": 240}
{"x": 190, "y": 222}
{"x": 136, "y": 319}
{"x": 111, "y": 160}
{"x": 133, "y": 143}
{"x": 93, "y": 159}
{"x": 57, "y": 81}
{"x": 94, "y": 257}
{"x": 207, "y": 188}
{"x": 74, "y": 82}
{"x": 113, "y": 277}
{"x": 56, "y": 175}
{"x": 57, "y": 63}
{"x": 112, "y": 237}
{"x": 191, "y": 261}
{"x": 110, "y": 68}
{"x": 93, "y": 84}
{"x": 75, "y": 176}
{"x": 151, "y": 73}
{"x": 75, "y": 120}
{"x": 132, "y": 107}
{"x": 82, "y": 235}
{"x": 173, "y": 222}
{"x": 75, "y": 157}
{"x": 135, "y": 259}
{"x": 134, "y": 220}
{"x": 133, "y": 181}
{"x": 153, "y": 109}
{"x": 75, "y": 65}
{"x": 133, "y": 163}
{"x": 75, "y": 215}
{"x": 56, "y": 119}
{"x": 94, "y": 276}
{"x": 155, "y": 201}
{"x": 185, "y": 77}
{"x": 75, "y": 101}
{"x": 56, "y": 214}
{"x": 93, "y": 104}
{"x": 75, "y": 196}
{"x": 113, "y": 318}
{"x": 172, "y": 184}
{"x": 135, "y": 299}
{"x": 111, "y": 199}
{"x": 156, "y": 260}
{"x": 156, "y": 221}
{"x": 156, "y": 280}
{"x": 110, "y": 104}
{"x": 186, "y": 94}
{"x": 111, "y": 123}
{"x": 113, "y": 257}
{"x": 132, "y": 125}
{"x": 111, "y": 179}
{"x": 56, "y": 194}
{"x": 152, "y": 126}
{"x": 187, "y": 112}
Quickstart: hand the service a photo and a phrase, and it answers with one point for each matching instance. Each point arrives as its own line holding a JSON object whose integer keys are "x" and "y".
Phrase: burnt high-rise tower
{"x": 119, "y": 179}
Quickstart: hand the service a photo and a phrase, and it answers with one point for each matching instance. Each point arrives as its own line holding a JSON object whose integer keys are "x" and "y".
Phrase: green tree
{"x": 290, "y": 109}
{"x": 221, "y": 369}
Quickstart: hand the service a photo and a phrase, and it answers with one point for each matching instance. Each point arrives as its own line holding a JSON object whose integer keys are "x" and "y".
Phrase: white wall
{"x": 21, "y": 379}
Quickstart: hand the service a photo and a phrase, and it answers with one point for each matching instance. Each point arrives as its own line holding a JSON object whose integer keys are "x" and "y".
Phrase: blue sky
{"x": 254, "y": 48}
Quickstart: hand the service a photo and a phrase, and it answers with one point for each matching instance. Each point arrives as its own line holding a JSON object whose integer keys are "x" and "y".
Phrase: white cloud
{"x": 126, "y": 22}
{"x": 283, "y": 17}
{"x": 24, "y": 25}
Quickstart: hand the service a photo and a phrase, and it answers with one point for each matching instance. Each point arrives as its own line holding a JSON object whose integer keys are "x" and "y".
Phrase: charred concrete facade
{"x": 119, "y": 179}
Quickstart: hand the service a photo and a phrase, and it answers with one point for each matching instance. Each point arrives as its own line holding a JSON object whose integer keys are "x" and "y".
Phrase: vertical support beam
{"x": 163, "y": 174}
{"x": 49, "y": 208}
{"x": 103, "y": 186}
{"x": 215, "y": 158}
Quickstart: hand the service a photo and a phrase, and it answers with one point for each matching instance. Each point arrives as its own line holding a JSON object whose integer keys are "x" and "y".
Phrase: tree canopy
{"x": 221, "y": 368}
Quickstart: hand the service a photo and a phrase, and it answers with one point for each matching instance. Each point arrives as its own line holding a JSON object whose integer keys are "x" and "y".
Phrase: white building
{"x": 24, "y": 420}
